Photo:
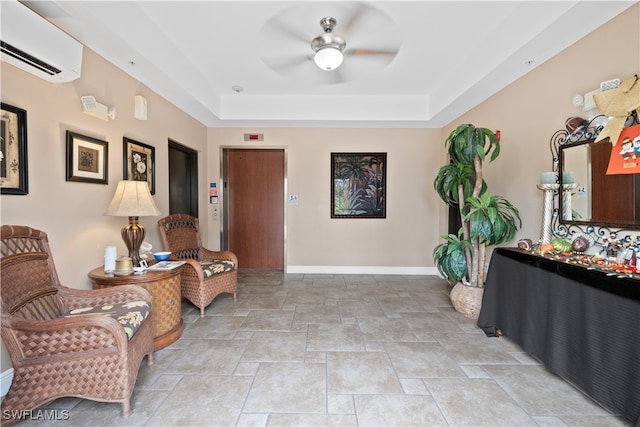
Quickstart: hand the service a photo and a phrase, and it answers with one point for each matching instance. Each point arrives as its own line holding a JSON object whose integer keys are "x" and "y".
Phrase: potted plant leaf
{"x": 486, "y": 219}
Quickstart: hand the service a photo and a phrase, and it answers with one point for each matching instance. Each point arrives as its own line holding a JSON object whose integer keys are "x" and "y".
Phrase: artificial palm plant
{"x": 486, "y": 219}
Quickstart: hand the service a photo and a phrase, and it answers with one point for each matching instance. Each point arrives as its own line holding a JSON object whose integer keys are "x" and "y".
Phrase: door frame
{"x": 193, "y": 173}
{"x": 224, "y": 171}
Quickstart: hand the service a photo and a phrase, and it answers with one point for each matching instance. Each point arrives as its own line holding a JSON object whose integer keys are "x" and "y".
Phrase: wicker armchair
{"x": 180, "y": 234}
{"x": 54, "y": 353}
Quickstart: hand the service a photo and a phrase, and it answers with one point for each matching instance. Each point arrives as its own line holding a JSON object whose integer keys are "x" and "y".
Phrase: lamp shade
{"x": 328, "y": 58}
{"x": 132, "y": 198}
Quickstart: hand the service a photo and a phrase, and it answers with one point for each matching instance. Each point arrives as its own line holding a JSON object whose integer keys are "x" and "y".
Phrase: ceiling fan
{"x": 328, "y": 47}
{"x": 331, "y": 50}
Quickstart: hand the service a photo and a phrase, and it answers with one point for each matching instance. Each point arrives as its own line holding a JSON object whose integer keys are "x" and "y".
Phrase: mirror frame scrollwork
{"x": 600, "y": 232}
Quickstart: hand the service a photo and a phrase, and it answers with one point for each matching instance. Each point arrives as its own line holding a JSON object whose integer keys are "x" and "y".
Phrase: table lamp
{"x": 133, "y": 199}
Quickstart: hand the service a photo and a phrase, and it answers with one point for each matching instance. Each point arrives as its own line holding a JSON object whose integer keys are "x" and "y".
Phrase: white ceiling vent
{"x": 30, "y": 42}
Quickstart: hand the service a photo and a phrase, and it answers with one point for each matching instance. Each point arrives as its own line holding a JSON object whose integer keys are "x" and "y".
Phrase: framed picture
{"x": 139, "y": 162}
{"x": 358, "y": 185}
{"x": 13, "y": 151}
{"x": 87, "y": 159}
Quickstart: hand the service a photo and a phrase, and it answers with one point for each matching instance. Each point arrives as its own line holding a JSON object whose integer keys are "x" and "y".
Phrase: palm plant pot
{"x": 467, "y": 300}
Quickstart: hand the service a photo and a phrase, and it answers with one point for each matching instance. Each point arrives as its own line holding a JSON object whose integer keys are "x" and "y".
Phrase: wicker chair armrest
{"x": 191, "y": 264}
{"x": 208, "y": 254}
{"x": 79, "y": 298}
{"x": 66, "y": 335}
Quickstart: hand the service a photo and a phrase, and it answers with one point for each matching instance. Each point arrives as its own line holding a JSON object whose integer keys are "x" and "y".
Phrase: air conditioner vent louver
{"x": 35, "y": 45}
{"x": 29, "y": 59}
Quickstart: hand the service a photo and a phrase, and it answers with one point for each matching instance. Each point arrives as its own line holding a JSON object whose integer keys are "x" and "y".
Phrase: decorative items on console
{"x": 612, "y": 255}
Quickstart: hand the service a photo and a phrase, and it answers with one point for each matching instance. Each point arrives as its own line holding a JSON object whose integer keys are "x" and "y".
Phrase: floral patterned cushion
{"x": 209, "y": 268}
{"x": 130, "y": 314}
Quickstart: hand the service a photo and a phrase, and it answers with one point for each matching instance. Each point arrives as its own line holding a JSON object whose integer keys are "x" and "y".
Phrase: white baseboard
{"x": 6, "y": 378}
{"x": 332, "y": 269}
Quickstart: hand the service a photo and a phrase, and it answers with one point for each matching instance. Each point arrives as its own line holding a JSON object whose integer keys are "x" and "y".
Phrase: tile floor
{"x": 340, "y": 350}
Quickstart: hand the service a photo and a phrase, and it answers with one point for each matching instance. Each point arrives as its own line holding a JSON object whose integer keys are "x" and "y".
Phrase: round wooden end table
{"x": 164, "y": 287}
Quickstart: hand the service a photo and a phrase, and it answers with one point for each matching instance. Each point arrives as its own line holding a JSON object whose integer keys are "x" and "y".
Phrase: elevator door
{"x": 255, "y": 194}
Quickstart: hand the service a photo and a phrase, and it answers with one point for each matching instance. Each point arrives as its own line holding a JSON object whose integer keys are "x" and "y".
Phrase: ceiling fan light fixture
{"x": 328, "y": 58}
{"x": 328, "y": 47}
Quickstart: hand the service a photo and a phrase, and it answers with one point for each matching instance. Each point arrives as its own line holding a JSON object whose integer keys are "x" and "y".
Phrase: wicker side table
{"x": 164, "y": 287}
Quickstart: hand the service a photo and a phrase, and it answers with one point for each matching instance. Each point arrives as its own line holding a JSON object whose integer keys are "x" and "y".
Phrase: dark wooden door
{"x": 255, "y": 189}
{"x": 183, "y": 179}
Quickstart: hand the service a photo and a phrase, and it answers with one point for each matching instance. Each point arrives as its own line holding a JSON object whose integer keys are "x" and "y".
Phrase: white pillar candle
{"x": 548, "y": 178}
{"x": 567, "y": 178}
{"x": 110, "y": 256}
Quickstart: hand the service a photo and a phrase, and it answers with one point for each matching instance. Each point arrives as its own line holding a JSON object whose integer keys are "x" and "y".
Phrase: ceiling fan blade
{"x": 370, "y": 52}
{"x": 278, "y": 25}
{"x": 286, "y": 64}
{"x": 356, "y": 16}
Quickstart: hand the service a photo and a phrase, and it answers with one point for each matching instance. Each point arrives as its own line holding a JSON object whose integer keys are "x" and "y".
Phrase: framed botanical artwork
{"x": 358, "y": 185}
{"x": 13, "y": 150}
{"x": 139, "y": 162}
{"x": 87, "y": 159}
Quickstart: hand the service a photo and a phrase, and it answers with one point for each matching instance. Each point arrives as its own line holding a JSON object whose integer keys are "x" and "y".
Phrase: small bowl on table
{"x": 161, "y": 256}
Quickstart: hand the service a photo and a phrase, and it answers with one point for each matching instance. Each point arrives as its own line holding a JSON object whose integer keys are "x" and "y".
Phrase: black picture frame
{"x": 139, "y": 162}
{"x": 14, "y": 177}
{"x": 358, "y": 185}
{"x": 87, "y": 159}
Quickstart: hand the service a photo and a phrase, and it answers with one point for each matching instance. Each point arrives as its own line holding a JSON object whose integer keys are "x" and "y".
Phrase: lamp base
{"x": 133, "y": 236}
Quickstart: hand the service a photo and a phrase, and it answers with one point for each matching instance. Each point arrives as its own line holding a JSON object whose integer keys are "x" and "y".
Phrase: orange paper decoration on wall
{"x": 625, "y": 155}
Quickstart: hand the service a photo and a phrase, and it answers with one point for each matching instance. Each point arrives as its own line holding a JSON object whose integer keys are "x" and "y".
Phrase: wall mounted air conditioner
{"x": 30, "y": 42}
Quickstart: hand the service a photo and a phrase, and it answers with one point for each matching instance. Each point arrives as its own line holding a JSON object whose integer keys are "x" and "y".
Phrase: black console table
{"x": 582, "y": 324}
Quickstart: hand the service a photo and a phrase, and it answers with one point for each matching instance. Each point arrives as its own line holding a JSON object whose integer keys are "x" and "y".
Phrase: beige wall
{"x": 527, "y": 113}
{"x": 72, "y": 213}
{"x": 315, "y": 242}
{"x": 531, "y": 109}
